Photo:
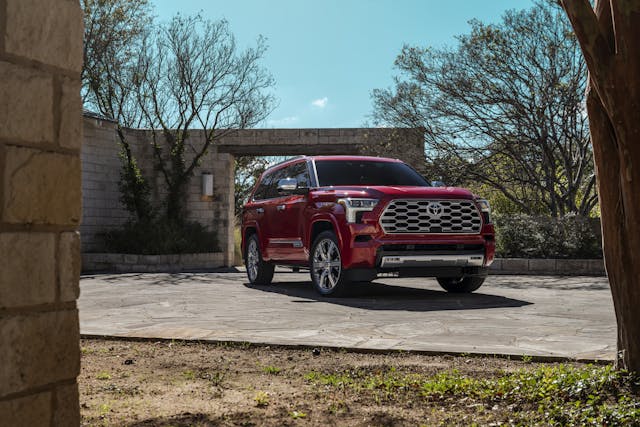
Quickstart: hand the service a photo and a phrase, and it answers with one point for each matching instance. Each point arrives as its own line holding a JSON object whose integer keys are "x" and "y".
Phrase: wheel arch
{"x": 248, "y": 231}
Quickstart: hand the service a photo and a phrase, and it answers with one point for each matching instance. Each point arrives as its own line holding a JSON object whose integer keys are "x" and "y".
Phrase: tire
{"x": 259, "y": 272}
{"x": 460, "y": 285}
{"x": 325, "y": 265}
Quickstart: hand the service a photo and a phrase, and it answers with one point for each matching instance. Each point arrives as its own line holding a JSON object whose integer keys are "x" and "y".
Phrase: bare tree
{"x": 191, "y": 75}
{"x": 114, "y": 35}
{"x": 504, "y": 108}
{"x": 609, "y": 34}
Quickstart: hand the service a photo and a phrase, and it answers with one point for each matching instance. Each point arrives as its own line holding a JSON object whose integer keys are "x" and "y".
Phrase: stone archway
{"x": 101, "y": 165}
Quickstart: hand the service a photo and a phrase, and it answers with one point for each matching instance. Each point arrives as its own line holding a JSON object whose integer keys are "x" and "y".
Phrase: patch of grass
{"x": 189, "y": 375}
{"x": 104, "y": 409}
{"x": 271, "y": 370}
{"x": 297, "y": 414}
{"x": 215, "y": 378}
{"x": 104, "y": 375}
{"x": 330, "y": 379}
{"x": 262, "y": 399}
{"x": 559, "y": 394}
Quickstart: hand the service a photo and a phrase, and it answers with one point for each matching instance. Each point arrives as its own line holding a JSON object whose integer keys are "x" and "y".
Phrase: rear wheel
{"x": 258, "y": 271}
{"x": 460, "y": 284}
{"x": 327, "y": 274}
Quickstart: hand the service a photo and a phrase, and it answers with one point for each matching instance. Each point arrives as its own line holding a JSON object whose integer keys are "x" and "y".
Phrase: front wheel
{"x": 258, "y": 272}
{"x": 327, "y": 273}
{"x": 460, "y": 284}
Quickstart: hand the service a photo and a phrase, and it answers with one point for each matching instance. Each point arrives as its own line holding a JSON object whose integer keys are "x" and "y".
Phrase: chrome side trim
{"x": 296, "y": 243}
{"x": 466, "y": 260}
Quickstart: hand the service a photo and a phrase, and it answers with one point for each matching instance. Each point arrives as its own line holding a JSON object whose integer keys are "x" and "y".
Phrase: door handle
{"x": 280, "y": 207}
{"x": 260, "y": 210}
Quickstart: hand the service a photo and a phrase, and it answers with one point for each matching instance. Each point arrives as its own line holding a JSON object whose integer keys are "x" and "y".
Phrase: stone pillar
{"x": 224, "y": 218}
{"x": 40, "y": 138}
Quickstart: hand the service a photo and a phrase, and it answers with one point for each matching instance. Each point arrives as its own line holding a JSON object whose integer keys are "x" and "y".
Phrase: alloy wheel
{"x": 327, "y": 265}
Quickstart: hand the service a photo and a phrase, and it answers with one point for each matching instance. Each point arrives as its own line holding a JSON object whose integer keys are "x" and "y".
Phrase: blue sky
{"x": 327, "y": 55}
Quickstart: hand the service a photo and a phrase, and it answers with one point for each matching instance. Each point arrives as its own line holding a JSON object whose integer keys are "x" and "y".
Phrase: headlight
{"x": 485, "y": 208}
{"x": 353, "y": 206}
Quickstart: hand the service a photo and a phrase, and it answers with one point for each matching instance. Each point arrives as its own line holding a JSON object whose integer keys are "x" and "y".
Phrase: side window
{"x": 263, "y": 187}
{"x": 299, "y": 172}
{"x": 268, "y": 187}
{"x": 272, "y": 189}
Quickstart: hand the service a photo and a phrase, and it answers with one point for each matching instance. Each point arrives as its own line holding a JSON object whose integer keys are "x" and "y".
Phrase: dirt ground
{"x": 127, "y": 383}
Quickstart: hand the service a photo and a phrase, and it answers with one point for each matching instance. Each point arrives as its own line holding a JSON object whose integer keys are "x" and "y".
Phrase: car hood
{"x": 401, "y": 192}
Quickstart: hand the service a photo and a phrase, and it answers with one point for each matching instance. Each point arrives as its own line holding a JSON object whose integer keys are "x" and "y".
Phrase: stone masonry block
{"x": 542, "y": 265}
{"x": 67, "y": 412}
{"x": 38, "y": 349}
{"x": 519, "y": 265}
{"x": 41, "y": 188}
{"x": 70, "y": 134}
{"x": 596, "y": 266}
{"x": 27, "y": 269}
{"x": 69, "y": 266}
{"x": 573, "y": 266}
{"x": 26, "y": 110}
{"x": 33, "y": 411}
{"x": 51, "y": 34}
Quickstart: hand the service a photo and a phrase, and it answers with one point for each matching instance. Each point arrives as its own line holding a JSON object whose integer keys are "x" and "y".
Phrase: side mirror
{"x": 438, "y": 184}
{"x": 290, "y": 186}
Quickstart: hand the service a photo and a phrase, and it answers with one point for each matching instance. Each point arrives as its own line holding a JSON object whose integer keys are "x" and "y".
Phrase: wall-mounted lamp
{"x": 207, "y": 184}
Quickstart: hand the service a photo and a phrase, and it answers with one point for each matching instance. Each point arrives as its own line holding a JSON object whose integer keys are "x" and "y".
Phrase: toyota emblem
{"x": 434, "y": 209}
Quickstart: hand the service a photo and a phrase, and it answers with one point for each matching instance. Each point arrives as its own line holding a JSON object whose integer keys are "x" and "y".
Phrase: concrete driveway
{"x": 515, "y": 315}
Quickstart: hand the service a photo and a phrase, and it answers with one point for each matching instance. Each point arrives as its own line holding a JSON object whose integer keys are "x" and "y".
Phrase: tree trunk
{"x": 608, "y": 37}
{"x": 619, "y": 230}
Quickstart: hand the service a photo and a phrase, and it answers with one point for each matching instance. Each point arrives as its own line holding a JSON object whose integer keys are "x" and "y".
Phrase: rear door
{"x": 255, "y": 211}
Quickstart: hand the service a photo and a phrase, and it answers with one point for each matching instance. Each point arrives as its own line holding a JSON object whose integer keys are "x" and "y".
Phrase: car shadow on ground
{"x": 380, "y": 296}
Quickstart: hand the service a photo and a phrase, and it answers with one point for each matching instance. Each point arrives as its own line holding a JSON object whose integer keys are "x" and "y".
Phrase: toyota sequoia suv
{"x": 352, "y": 218}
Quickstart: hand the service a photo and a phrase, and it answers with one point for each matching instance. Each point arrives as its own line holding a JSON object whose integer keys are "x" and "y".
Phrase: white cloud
{"x": 285, "y": 121}
{"x": 320, "y": 103}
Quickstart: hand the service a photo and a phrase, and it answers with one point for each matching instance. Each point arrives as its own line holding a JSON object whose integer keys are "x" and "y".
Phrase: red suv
{"x": 351, "y": 218}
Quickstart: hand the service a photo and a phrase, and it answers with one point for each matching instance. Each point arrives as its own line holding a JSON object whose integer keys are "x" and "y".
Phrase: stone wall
{"x": 40, "y": 208}
{"x": 101, "y": 165}
{"x": 102, "y": 209}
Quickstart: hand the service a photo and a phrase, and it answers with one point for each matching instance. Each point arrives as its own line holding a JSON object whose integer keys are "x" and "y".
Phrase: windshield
{"x": 367, "y": 172}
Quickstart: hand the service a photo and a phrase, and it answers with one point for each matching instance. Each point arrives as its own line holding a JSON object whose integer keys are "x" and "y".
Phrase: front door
{"x": 287, "y": 218}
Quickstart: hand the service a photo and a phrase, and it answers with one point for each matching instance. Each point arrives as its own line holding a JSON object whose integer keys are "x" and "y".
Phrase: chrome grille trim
{"x": 431, "y": 216}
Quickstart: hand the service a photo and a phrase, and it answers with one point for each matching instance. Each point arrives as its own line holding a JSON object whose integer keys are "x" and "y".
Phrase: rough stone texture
{"x": 69, "y": 265}
{"x": 26, "y": 109}
{"x": 101, "y": 207}
{"x": 38, "y": 349}
{"x": 573, "y": 266}
{"x": 70, "y": 133}
{"x": 525, "y": 315}
{"x": 40, "y": 199}
{"x": 542, "y": 265}
{"x": 51, "y": 34}
{"x": 27, "y": 269}
{"x": 515, "y": 264}
{"x": 126, "y": 263}
{"x": 67, "y": 407}
{"x": 41, "y": 187}
{"x": 32, "y": 411}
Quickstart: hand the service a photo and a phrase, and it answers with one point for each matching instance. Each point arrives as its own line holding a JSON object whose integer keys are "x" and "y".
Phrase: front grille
{"x": 431, "y": 216}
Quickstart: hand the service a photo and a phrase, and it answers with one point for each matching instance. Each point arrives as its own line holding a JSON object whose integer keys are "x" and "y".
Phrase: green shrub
{"x": 526, "y": 236}
{"x": 158, "y": 237}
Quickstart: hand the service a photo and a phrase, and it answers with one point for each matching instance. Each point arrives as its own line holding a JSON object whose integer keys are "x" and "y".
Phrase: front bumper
{"x": 425, "y": 255}
{"x": 432, "y": 260}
